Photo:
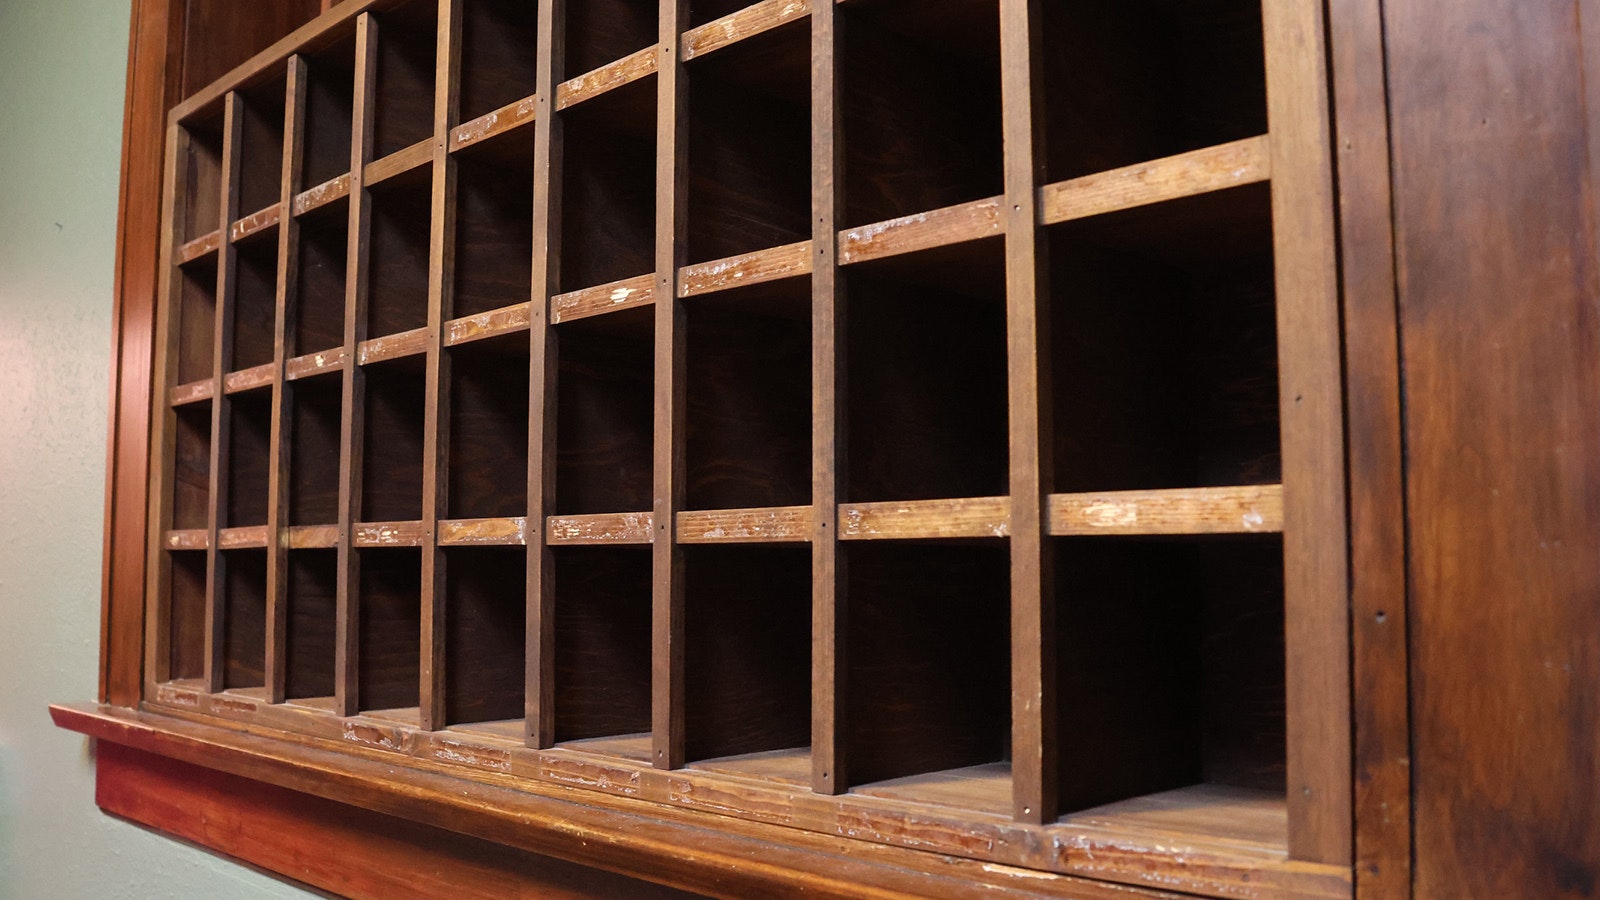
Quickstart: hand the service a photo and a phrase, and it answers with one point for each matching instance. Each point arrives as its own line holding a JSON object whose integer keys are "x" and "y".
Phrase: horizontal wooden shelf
{"x": 745, "y": 23}
{"x": 257, "y": 223}
{"x": 310, "y": 364}
{"x": 504, "y": 120}
{"x": 608, "y": 77}
{"x": 1200, "y": 171}
{"x": 393, "y": 346}
{"x": 313, "y": 537}
{"x": 604, "y": 298}
{"x": 398, "y": 163}
{"x": 249, "y": 379}
{"x": 388, "y": 534}
{"x": 500, "y": 532}
{"x": 496, "y": 322}
{"x": 792, "y": 766}
{"x": 193, "y": 392}
{"x": 605, "y": 528}
{"x": 1217, "y": 510}
{"x": 788, "y": 261}
{"x": 332, "y": 190}
{"x": 765, "y": 525}
{"x": 187, "y": 539}
{"x": 247, "y": 538}
{"x": 922, "y": 231}
{"x": 201, "y": 246}
{"x": 1250, "y": 819}
{"x": 982, "y": 789}
{"x": 633, "y": 747}
{"x": 972, "y": 517}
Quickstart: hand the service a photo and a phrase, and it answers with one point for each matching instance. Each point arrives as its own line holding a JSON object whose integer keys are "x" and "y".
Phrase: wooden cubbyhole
{"x": 244, "y": 618}
{"x": 186, "y": 618}
{"x": 747, "y": 654}
{"x": 608, "y": 187}
{"x": 498, "y": 54}
{"x": 1170, "y": 675}
{"x": 1165, "y": 345}
{"x": 248, "y": 458}
{"x": 605, "y": 409}
{"x": 389, "y": 645}
{"x": 407, "y": 51}
{"x": 397, "y": 264}
{"x": 494, "y": 233}
{"x": 254, "y": 302}
{"x": 261, "y": 151}
{"x": 201, "y": 191}
{"x": 928, "y": 715}
{"x": 312, "y": 581}
{"x": 314, "y": 421}
{"x": 197, "y": 317}
{"x": 330, "y": 98}
{"x": 319, "y": 296}
{"x": 489, "y": 428}
{"x": 602, "y": 646}
{"x": 926, "y": 356}
{"x": 391, "y": 482}
{"x": 748, "y": 397}
{"x": 191, "y": 466}
{"x": 1125, "y": 83}
{"x": 604, "y": 31}
{"x": 749, "y": 145}
{"x": 919, "y": 87}
{"x": 486, "y": 608}
{"x": 703, "y": 11}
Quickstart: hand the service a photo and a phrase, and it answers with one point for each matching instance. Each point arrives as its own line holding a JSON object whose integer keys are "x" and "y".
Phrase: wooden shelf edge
{"x": 494, "y": 323}
{"x": 312, "y": 537}
{"x": 968, "y": 517}
{"x": 330, "y": 360}
{"x": 605, "y": 528}
{"x": 746, "y": 23}
{"x": 252, "y": 537}
{"x": 375, "y": 535}
{"x": 603, "y": 298}
{"x": 187, "y": 539}
{"x": 1198, "y": 172}
{"x": 763, "y": 525}
{"x": 609, "y": 77}
{"x": 499, "y": 532}
{"x": 336, "y": 188}
{"x": 1249, "y": 509}
{"x": 397, "y": 163}
{"x": 504, "y": 120}
{"x": 200, "y": 246}
{"x": 773, "y": 264}
{"x": 256, "y": 223}
{"x": 922, "y": 231}
{"x": 393, "y": 346}
{"x": 249, "y": 379}
{"x": 192, "y": 392}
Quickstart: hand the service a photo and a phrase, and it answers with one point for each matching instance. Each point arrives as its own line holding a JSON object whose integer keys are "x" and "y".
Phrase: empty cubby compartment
{"x": 261, "y": 150}
{"x": 925, "y": 350}
{"x": 749, "y": 145}
{"x": 748, "y": 397}
{"x": 1170, "y": 654}
{"x": 244, "y": 617}
{"x": 1165, "y": 346}
{"x": 747, "y": 650}
{"x": 489, "y": 428}
{"x": 314, "y": 421}
{"x": 249, "y": 457}
{"x": 602, "y": 642}
{"x": 604, "y": 31}
{"x": 186, "y": 617}
{"x": 494, "y": 235}
{"x": 605, "y": 408}
{"x": 197, "y": 319}
{"x": 499, "y": 65}
{"x": 397, "y": 262}
{"x": 391, "y": 482}
{"x": 201, "y": 165}
{"x": 191, "y": 465}
{"x": 927, "y": 658}
{"x": 255, "y": 303}
{"x": 330, "y": 98}
{"x": 319, "y": 297}
{"x": 311, "y": 624}
{"x": 407, "y": 49}
{"x": 703, "y": 11}
{"x": 485, "y": 611}
{"x": 389, "y": 645}
{"x": 608, "y": 194}
{"x": 1124, "y": 83}
{"x": 919, "y": 87}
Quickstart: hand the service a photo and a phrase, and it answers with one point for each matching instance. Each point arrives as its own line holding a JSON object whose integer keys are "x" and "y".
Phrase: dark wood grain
{"x": 488, "y": 429}
{"x": 391, "y": 488}
{"x": 311, "y": 580}
{"x": 390, "y": 636}
{"x": 249, "y": 459}
{"x": 498, "y": 59}
{"x": 601, "y": 642}
{"x": 407, "y": 55}
{"x": 494, "y": 237}
{"x": 244, "y": 614}
{"x": 602, "y": 31}
{"x": 484, "y": 623}
{"x": 608, "y": 187}
{"x": 220, "y": 35}
{"x": 604, "y": 408}
{"x": 187, "y": 618}
{"x": 399, "y": 255}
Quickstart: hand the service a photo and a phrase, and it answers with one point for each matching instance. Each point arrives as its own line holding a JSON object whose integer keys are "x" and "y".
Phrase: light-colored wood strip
{"x": 313, "y": 537}
{"x": 187, "y": 539}
{"x": 605, "y": 528}
{"x": 608, "y": 77}
{"x": 747, "y": 22}
{"x": 489, "y": 125}
{"x": 398, "y": 163}
{"x": 788, "y": 261}
{"x": 193, "y": 392}
{"x": 200, "y": 246}
{"x": 1218, "y": 510}
{"x": 249, "y": 379}
{"x": 336, "y": 188}
{"x": 392, "y": 346}
{"x": 604, "y": 298}
{"x": 494, "y": 323}
{"x": 763, "y": 525}
{"x": 330, "y": 360}
{"x": 922, "y": 231}
{"x": 969, "y": 517}
{"x": 247, "y": 538}
{"x": 257, "y": 222}
{"x": 388, "y": 534}
{"x": 1197, "y": 172}
{"x": 507, "y": 532}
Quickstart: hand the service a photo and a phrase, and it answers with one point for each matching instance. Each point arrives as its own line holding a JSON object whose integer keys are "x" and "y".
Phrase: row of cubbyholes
{"x": 1170, "y": 655}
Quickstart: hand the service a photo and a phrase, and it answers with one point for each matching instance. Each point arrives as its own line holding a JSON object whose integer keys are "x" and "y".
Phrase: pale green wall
{"x": 62, "y": 64}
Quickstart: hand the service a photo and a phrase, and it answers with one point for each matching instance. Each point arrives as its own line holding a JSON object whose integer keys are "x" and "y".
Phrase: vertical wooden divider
{"x": 829, "y": 766}
{"x": 221, "y": 358}
{"x": 1034, "y": 757}
{"x": 1316, "y": 576}
{"x": 163, "y": 426}
{"x": 547, "y": 167}
{"x": 352, "y": 399}
{"x": 283, "y": 320}
{"x": 667, "y": 594}
{"x": 436, "y": 402}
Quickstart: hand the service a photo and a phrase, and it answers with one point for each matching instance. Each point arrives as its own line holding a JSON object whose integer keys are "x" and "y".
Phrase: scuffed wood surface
{"x": 974, "y": 517}
{"x": 1225, "y": 510}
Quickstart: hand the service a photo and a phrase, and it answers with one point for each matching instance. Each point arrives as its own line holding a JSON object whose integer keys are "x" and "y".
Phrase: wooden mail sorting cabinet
{"x": 912, "y": 422}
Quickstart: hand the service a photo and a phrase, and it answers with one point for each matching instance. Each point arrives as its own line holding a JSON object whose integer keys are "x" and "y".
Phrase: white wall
{"x": 62, "y": 64}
